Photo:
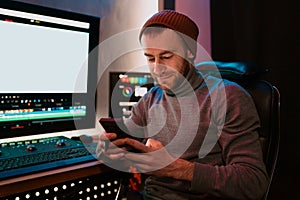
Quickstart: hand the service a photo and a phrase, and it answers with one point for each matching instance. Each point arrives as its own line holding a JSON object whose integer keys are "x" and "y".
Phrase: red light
{"x": 16, "y": 127}
{"x": 8, "y": 20}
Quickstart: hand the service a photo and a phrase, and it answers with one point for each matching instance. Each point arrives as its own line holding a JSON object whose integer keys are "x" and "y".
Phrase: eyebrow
{"x": 162, "y": 53}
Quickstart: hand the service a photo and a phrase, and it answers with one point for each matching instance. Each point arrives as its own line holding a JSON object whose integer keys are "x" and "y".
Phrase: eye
{"x": 150, "y": 59}
{"x": 167, "y": 56}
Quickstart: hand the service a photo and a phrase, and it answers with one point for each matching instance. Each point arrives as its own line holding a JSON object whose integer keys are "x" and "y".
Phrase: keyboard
{"x": 24, "y": 157}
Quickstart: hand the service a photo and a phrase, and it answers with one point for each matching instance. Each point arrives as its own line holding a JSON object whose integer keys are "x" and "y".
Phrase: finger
{"x": 108, "y": 158}
{"x": 138, "y": 158}
{"x": 107, "y": 136}
{"x": 103, "y": 145}
{"x": 116, "y": 150}
{"x": 100, "y": 147}
{"x": 118, "y": 142}
{"x": 100, "y": 154}
{"x": 154, "y": 144}
{"x": 121, "y": 143}
{"x": 116, "y": 156}
{"x": 100, "y": 144}
{"x": 133, "y": 143}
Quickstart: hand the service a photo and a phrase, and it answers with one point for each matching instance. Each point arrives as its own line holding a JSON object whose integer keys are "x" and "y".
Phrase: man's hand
{"x": 105, "y": 146}
{"x": 155, "y": 160}
{"x": 152, "y": 159}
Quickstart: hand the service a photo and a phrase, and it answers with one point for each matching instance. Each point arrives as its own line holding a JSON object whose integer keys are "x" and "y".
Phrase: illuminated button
{"x": 30, "y": 148}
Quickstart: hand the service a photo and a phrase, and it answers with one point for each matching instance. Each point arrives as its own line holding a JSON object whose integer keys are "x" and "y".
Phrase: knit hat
{"x": 177, "y": 22}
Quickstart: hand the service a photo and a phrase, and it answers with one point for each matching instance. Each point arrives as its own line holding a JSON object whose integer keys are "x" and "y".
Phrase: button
{"x": 31, "y": 148}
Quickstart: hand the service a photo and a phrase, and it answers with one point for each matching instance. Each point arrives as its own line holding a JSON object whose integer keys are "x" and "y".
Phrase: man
{"x": 202, "y": 131}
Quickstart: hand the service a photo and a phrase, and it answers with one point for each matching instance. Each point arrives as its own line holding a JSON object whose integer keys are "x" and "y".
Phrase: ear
{"x": 190, "y": 55}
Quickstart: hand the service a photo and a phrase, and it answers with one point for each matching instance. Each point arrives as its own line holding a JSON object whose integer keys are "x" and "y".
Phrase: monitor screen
{"x": 48, "y": 76}
{"x": 126, "y": 88}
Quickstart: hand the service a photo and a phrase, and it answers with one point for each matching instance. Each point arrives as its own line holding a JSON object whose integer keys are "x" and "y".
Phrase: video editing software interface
{"x": 126, "y": 88}
{"x": 47, "y": 79}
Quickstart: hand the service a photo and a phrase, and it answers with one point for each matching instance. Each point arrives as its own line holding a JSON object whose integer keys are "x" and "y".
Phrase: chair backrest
{"x": 266, "y": 98}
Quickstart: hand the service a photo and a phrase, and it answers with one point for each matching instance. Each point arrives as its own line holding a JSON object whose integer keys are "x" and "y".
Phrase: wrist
{"x": 183, "y": 170}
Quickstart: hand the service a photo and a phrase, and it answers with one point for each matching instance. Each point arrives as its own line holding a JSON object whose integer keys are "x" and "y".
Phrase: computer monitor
{"x": 48, "y": 76}
{"x": 125, "y": 89}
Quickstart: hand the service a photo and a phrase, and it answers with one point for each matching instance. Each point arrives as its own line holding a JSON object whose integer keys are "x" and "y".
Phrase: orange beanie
{"x": 177, "y": 22}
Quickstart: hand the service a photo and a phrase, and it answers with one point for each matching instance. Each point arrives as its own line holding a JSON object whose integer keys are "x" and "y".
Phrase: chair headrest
{"x": 231, "y": 70}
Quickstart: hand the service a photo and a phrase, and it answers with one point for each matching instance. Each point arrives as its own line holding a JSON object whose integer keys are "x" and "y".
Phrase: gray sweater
{"x": 210, "y": 122}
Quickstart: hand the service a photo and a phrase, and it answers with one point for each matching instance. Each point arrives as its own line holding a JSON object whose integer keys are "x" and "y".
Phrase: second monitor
{"x": 125, "y": 89}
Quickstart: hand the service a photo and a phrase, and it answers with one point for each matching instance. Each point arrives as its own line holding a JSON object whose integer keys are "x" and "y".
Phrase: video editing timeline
{"x": 21, "y": 111}
{"x": 125, "y": 91}
{"x": 22, "y": 114}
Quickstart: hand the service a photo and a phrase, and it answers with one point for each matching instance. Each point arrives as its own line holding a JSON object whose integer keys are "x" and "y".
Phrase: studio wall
{"x": 198, "y": 11}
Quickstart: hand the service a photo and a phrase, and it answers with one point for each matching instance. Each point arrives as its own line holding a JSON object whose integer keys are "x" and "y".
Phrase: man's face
{"x": 166, "y": 55}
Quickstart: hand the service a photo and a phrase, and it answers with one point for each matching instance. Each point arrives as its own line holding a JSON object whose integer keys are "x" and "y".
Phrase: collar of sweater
{"x": 188, "y": 84}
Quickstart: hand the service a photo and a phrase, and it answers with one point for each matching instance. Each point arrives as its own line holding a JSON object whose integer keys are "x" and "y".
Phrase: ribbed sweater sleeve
{"x": 243, "y": 174}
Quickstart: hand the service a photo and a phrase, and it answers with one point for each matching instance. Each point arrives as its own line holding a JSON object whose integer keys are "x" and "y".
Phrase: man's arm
{"x": 243, "y": 174}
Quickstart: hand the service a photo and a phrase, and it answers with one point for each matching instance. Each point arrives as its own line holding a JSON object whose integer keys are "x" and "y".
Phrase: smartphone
{"x": 115, "y": 125}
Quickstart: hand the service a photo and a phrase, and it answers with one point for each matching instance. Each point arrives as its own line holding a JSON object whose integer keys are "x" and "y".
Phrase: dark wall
{"x": 264, "y": 32}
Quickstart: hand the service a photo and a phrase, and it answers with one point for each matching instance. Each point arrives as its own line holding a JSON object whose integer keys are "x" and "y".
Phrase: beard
{"x": 174, "y": 79}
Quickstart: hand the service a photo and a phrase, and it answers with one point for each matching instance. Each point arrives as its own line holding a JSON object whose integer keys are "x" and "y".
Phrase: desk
{"x": 63, "y": 179}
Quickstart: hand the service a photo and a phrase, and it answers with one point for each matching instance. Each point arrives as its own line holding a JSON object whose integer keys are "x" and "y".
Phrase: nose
{"x": 158, "y": 66}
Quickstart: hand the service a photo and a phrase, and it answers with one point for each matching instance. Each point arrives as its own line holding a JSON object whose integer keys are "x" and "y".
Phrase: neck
{"x": 190, "y": 81}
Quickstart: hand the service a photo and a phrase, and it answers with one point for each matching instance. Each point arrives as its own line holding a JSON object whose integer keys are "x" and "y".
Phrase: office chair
{"x": 267, "y": 101}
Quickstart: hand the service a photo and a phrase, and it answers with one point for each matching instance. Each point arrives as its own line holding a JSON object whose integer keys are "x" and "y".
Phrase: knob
{"x": 60, "y": 143}
{"x": 31, "y": 148}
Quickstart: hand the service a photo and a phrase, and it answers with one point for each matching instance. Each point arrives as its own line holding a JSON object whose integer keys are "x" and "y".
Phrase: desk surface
{"x": 50, "y": 177}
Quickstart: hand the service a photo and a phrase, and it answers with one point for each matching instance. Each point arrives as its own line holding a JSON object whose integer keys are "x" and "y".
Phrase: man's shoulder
{"x": 212, "y": 84}
{"x": 219, "y": 82}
